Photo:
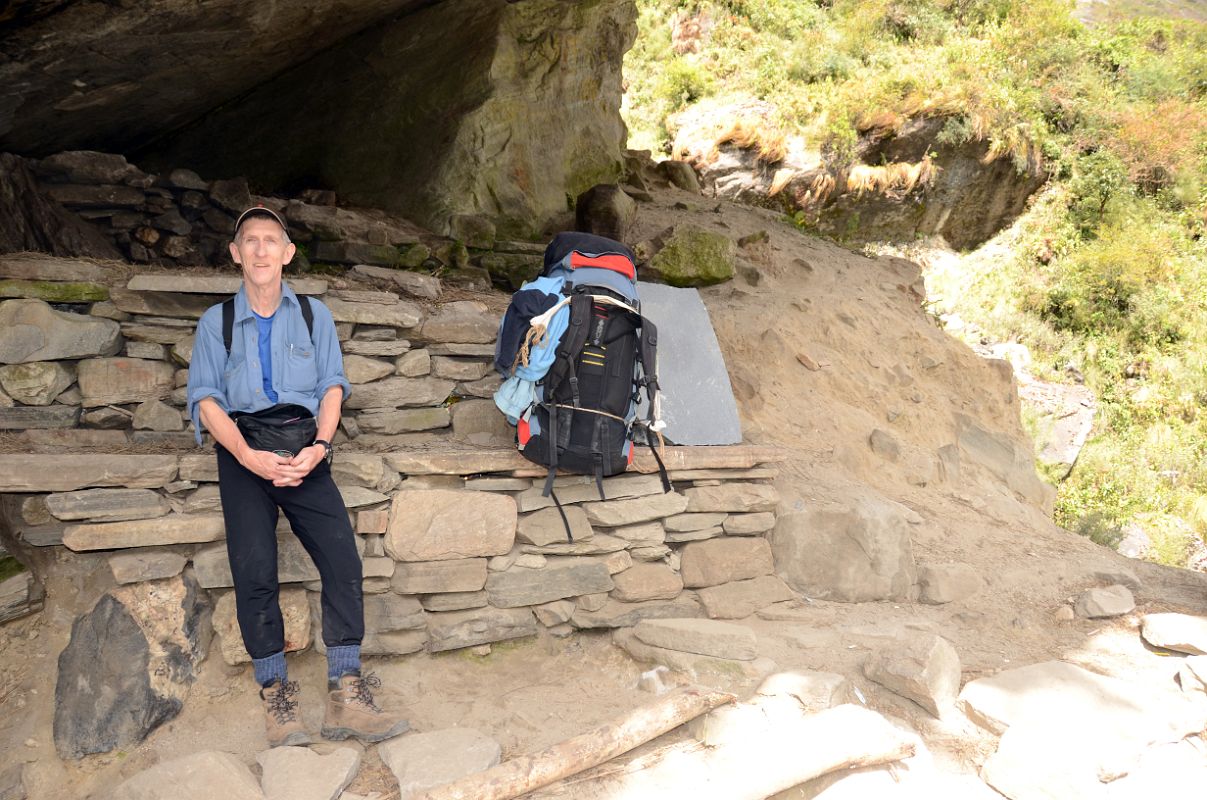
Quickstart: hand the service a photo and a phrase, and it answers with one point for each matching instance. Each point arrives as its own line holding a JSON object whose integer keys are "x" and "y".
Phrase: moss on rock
{"x": 692, "y": 256}
{"x": 55, "y": 291}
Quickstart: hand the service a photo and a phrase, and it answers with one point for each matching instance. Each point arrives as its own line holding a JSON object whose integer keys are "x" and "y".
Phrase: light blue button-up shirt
{"x": 302, "y": 369}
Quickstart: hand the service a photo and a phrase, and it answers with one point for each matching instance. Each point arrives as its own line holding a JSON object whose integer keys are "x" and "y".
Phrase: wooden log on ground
{"x": 750, "y": 768}
{"x": 527, "y": 773}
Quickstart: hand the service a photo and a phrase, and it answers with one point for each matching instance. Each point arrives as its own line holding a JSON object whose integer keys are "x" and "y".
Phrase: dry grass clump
{"x": 896, "y": 179}
{"x": 742, "y": 126}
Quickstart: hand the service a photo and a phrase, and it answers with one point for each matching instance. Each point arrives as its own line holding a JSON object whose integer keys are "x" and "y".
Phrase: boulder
{"x": 720, "y": 561}
{"x": 197, "y": 776}
{"x": 37, "y": 383}
{"x": 605, "y": 210}
{"x": 30, "y": 330}
{"x": 1180, "y": 632}
{"x": 680, "y": 174}
{"x": 925, "y": 669}
{"x": 299, "y": 773}
{"x": 948, "y": 583}
{"x": 1109, "y": 601}
{"x": 692, "y": 256}
{"x": 128, "y": 666}
{"x": 295, "y": 610}
{"x": 422, "y": 761}
{"x": 859, "y": 553}
{"x": 400, "y": 393}
{"x": 441, "y": 524}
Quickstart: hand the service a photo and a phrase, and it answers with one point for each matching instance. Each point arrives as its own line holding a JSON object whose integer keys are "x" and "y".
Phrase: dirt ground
{"x": 879, "y": 356}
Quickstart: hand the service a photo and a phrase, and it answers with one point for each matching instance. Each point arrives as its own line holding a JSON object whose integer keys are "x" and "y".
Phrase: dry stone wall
{"x": 113, "y": 209}
{"x": 458, "y": 544}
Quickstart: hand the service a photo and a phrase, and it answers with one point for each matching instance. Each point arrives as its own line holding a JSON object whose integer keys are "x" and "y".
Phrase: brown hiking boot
{"x": 281, "y": 720}
{"x": 351, "y": 711}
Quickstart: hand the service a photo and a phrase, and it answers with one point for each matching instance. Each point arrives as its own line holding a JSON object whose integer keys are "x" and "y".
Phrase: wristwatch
{"x": 326, "y": 446}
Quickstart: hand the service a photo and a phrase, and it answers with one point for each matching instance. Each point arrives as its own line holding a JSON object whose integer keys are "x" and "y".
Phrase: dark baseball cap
{"x": 259, "y": 211}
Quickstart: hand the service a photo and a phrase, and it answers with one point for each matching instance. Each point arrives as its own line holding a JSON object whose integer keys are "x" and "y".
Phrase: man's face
{"x": 261, "y": 250}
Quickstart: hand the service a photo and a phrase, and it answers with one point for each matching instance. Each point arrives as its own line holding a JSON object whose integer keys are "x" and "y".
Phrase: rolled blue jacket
{"x": 302, "y": 370}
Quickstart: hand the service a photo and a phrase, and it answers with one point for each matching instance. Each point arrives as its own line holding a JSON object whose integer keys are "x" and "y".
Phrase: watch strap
{"x": 326, "y": 446}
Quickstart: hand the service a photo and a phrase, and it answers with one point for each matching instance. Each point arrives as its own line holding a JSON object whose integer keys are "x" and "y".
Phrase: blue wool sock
{"x": 342, "y": 660}
{"x": 270, "y": 668}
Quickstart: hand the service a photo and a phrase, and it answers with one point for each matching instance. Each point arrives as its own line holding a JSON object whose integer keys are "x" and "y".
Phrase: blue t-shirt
{"x": 264, "y": 324}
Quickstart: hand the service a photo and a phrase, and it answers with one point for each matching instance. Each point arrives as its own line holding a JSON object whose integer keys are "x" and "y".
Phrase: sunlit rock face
{"x": 430, "y": 109}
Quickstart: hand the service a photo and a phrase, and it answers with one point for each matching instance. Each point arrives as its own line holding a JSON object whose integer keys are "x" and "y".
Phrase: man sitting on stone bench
{"x": 263, "y": 368}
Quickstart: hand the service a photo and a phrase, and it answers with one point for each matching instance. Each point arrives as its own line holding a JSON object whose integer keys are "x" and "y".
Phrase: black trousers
{"x": 316, "y": 512}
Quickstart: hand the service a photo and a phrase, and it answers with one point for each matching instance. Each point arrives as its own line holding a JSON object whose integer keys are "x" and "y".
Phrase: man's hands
{"x": 280, "y": 470}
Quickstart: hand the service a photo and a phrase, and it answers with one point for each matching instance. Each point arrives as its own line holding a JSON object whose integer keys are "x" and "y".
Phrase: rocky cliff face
{"x": 111, "y": 76}
{"x": 430, "y": 109}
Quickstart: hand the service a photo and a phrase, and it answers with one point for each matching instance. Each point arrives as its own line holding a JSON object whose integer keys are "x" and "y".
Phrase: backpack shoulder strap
{"x": 228, "y": 319}
{"x": 307, "y": 314}
{"x": 228, "y": 324}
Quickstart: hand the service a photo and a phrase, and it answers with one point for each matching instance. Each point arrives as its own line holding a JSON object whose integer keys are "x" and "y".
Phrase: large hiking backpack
{"x": 584, "y": 417}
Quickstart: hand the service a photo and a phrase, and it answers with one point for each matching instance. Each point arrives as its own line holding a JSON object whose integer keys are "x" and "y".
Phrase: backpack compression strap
{"x": 648, "y": 356}
{"x": 571, "y": 343}
{"x": 228, "y": 320}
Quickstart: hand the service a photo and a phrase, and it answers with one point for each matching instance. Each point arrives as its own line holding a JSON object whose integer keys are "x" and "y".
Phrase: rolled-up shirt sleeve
{"x": 207, "y": 367}
{"x": 328, "y": 359}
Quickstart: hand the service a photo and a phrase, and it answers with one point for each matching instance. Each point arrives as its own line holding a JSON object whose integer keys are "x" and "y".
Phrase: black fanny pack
{"x": 284, "y": 429}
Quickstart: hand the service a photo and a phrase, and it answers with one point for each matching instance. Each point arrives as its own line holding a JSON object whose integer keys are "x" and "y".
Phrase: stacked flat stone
{"x": 459, "y": 547}
{"x": 182, "y": 219}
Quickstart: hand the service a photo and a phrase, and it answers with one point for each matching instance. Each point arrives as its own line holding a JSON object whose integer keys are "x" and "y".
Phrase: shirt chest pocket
{"x": 299, "y": 373}
{"x": 239, "y": 390}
